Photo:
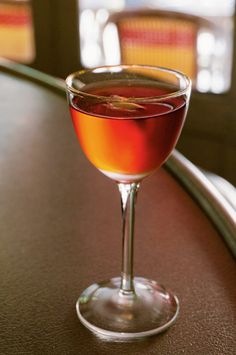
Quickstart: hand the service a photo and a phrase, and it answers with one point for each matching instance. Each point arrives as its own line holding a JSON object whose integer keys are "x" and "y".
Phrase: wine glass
{"x": 127, "y": 119}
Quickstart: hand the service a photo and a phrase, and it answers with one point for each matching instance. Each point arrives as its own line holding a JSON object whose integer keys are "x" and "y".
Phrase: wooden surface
{"x": 60, "y": 231}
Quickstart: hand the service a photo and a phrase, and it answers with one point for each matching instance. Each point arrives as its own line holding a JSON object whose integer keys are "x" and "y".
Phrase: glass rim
{"x": 173, "y": 94}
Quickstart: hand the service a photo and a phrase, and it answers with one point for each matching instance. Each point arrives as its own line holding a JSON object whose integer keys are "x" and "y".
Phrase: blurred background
{"x": 194, "y": 36}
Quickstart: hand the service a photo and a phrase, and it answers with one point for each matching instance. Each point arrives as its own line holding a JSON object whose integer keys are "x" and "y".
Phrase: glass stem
{"x": 128, "y": 193}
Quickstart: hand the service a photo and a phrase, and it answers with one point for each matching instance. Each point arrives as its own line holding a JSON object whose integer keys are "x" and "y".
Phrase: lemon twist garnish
{"x": 122, "y": 103}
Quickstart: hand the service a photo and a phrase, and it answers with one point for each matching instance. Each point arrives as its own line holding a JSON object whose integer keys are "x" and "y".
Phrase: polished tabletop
{"x": 60, "y": 231}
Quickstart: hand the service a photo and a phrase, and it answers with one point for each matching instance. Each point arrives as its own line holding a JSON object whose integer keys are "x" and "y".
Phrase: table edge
{"x": 210, "y": 199}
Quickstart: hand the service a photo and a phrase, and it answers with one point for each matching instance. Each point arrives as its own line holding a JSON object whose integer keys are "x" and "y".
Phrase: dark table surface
{"x": 60, "y": 231}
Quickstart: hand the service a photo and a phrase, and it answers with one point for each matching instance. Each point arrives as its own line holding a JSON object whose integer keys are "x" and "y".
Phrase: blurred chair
{"x": 16, "y": 31}
{"x": 155, "y": 37}
{"x": 169, "y": 39}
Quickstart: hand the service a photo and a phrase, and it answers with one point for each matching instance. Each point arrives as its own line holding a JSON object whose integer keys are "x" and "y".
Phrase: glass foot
{"x": 108, "y": 312}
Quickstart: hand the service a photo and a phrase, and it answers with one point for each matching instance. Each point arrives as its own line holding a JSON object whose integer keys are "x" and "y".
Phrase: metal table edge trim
{"x": 210, "y": 199}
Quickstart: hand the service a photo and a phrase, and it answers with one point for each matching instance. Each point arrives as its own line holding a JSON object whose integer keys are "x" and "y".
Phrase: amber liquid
{"x": 128, "y": 141}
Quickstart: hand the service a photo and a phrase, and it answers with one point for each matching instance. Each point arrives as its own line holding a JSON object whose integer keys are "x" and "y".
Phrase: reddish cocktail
{"x": 128, "y": 140}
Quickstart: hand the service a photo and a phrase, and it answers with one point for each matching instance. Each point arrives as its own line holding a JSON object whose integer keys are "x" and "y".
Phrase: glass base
{"x": 110, "y": 313}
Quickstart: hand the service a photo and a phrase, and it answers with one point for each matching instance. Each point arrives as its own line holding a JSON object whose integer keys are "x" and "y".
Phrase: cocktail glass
{"x": 128, "y": 119}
